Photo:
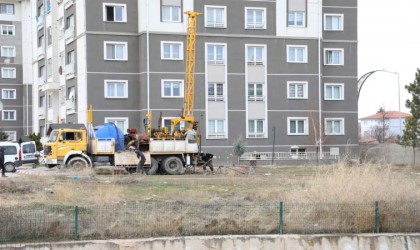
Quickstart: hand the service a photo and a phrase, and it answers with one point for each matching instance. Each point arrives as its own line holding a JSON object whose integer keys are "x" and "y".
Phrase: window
{"x": 71, "y": 93}
{"x": 215, "y": 92}
{"x": 48, "y": 6}
{"x": 7, "y": 30}
{"x": 9, "y": 115}
{"x": 115, "y": 12}
{"x": 116, "y": 89}
{"x": 215, "y": 54}
{"x": 216, "y": 129}
{"x": 172, "y": 51}
{"x": 215, "y": 16}
{"x": 297, "y": 126}
{"x": 334, "y": 126}
{"x": 333, "y": 22}
{"x": 8, "y": 94}
{"x": 49, "y": 35}
{"x": 7, "y": 8}
{"x": 41, "y": 101}
{"x": 333, "y": 57}
{"x": 297, "y": 54}
{"x": 49, "y": 100}
{"x": 255, "y": 18}
{"x": 70, "y": 57}
{"x": 296, "y": 19}
{"x": 120, "y": 122}
{"x": 171, "y": 13}
{"x": 41, "y": 41}
{"x": 70, "y": 22}
{"x": 8, "y": 51}
{"x": 255, "y": 92}
{"x": 297, "y": 90}
{"x": 41, "y": 71}
{"x": 172, "y": 88}
{"x": 11, "y": 136}
{"x": 115, "y": 51}
{"x": 8, "y": 72}
{"x": 256, "y": 128}
{"x": 255, "y": 55}
{"x": 334, "y": 91}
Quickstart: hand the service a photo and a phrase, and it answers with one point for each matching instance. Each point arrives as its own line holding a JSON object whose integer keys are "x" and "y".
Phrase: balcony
{"x": 50, "y": 86}
{"x": 69, "y": 34}
{"x": 40, "y": 21}
{"x": 68, "y": 3}
{"x": 41, "y": 80}
{"x": 69, "y": 70}
{"x": 41, "y": 112}
{"x": 71, "y": 105}
{"x": 41, "y": 52}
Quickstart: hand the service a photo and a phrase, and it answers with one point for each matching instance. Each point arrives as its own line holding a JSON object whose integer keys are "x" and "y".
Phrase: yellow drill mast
{"x": 188, "y": 107}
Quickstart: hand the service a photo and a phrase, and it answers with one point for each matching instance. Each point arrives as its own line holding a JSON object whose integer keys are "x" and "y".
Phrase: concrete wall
{"x": 239, "y": 242}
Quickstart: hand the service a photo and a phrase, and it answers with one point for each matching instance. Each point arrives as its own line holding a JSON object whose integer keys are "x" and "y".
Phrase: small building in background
{"x": 382, "y": 127}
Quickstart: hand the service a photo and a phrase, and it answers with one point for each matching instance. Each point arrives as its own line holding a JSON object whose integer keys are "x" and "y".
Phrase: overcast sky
{"x": 388, "y": 39}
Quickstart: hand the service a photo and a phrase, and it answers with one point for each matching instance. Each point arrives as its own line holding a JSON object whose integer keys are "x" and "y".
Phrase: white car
{"x": 15, "y": 155}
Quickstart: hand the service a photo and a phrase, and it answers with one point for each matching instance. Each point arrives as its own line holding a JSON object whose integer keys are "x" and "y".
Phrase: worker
{"x": 208, "y": 161}
{"x": 140, "y": 155}
{"x": 3, "y": 168}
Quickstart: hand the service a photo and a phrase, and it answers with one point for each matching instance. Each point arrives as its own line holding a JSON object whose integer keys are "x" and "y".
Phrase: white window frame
{"x": 305, "y": 125}
{"x": 215, "y": 60}
{"x": 106, "y": 87}
{"x": 181, "y": 89}
{"x": 125, "y": 54}
{"x": 7, "y": 10}
{"x": 341, "y": 120}
{"x": 9, "y": 70}
{"x": 255, "y": 97}
{"x": 261, "y": 62}
{"x": 221, "y": 25}
{"x": 6, "y": 96}
{"x": 11, "y": 135}
{"x": 215, "y": 97}
{"x": 341, "y": 24}
{"x": 256, "y": 25}
{"x": 7, "y": 27}
{"x": 124, "y": 12}
{"x": 8, "y": 47}
{"x": 171, "y": 17}
{"x": 8, "y": 111}
{"x": 295, "y": 19}
{"x": 295, "y": 47}
{"x": 171, "y": 56}
{"x": 333, "y": 98}
{"x": 219, "y": 133}
{"x": 123, "y": 119}
{"x": 255, "y": 133}
{"x": 305, "y": 89}
{"x": 332, "y": 50}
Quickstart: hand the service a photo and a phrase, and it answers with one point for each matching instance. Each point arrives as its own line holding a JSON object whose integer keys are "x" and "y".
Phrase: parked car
{"x": 15, "y": 155}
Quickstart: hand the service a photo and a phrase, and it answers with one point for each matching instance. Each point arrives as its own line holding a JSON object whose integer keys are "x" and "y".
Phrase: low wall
{"x": 242, "y": 242}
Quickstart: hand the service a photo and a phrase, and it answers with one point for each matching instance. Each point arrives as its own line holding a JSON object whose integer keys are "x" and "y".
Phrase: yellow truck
{"x": 74, "y": 148}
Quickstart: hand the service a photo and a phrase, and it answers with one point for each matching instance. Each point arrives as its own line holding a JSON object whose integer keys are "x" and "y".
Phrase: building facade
{"x": 284, "y": 66}
{"x": 16, "y": 70}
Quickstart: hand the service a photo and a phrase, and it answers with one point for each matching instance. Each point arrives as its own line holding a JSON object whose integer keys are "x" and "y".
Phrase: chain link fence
{"x": 20, "y": 225}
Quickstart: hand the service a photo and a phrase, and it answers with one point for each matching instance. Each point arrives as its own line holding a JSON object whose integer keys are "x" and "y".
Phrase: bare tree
{"x": 380, "y": 131}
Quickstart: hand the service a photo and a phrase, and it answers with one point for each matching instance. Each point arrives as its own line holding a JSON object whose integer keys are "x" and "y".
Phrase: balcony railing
{"x": 40, "y": 21}
{"x": 69, "y": 69}
{"x": 69, "y": 33}
{"x": 71, "y": 104}
{"x": 41, "y": 51}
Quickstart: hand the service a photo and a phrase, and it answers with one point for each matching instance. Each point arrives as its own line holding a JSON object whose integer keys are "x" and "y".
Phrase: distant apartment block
{"x": 15, "y": 68}
{"x": 288, "y": 65}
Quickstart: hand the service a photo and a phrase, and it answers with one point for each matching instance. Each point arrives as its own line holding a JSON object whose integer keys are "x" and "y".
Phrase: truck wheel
{"x": 10, "y": 167}
{"x": 77, "y": 163}
{"x": 172, "y": 165}
{"x": 154, "y": 166}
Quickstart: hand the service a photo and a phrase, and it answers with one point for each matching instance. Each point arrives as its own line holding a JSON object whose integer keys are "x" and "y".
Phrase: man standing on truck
{"x": 3, "y": 168}
{"x": 140, "y": 155}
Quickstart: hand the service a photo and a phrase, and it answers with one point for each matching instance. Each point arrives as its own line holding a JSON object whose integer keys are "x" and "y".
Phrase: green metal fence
{"x": 152, "y": 219}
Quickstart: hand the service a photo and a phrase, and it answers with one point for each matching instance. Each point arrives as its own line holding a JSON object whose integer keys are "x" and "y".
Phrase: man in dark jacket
{"x": 140, "y": 155}
{"x": 3, "y": 168}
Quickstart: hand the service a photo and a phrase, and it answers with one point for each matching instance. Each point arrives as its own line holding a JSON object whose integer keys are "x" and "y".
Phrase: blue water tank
{"x": 110, "y": 130}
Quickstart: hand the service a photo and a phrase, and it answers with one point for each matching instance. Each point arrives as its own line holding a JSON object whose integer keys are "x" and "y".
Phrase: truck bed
{"x": 128, "y": 158}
